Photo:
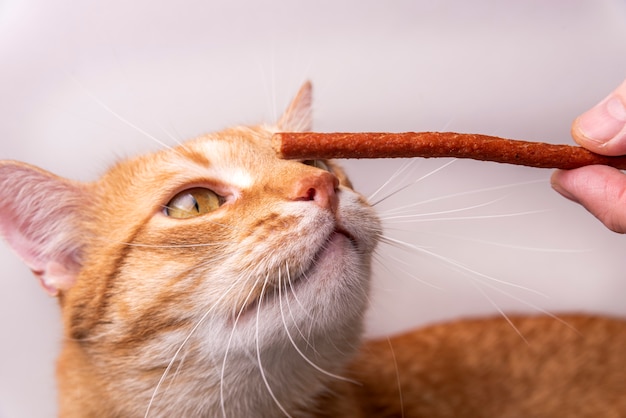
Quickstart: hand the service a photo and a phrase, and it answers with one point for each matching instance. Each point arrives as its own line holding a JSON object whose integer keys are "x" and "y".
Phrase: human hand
{"x": 600, "y": 189}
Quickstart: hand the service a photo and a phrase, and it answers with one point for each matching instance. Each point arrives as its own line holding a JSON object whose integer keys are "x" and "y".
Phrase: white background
{"x": 516, "y": 69}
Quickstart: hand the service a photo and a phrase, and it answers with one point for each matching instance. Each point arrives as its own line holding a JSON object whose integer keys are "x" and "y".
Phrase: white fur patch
{"x": 238, "y": 177}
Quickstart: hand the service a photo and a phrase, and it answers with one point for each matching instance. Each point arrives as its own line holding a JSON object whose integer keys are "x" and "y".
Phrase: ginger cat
{"x": 214, "y": 279}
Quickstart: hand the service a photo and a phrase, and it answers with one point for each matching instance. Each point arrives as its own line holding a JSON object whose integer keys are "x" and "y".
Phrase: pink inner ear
{"x": 14, "y": 231}
{"x": 56, "y": 278}
{"x": 17, "y": 242}
{"x": 38, "y": 219}
{"x": 54, "y": 275}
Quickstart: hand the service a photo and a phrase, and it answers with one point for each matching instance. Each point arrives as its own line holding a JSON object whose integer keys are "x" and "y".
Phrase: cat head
{"x": 213, "y": 261}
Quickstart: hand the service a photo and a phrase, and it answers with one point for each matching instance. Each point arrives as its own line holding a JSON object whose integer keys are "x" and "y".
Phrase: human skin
{"x": 600, "y": 189}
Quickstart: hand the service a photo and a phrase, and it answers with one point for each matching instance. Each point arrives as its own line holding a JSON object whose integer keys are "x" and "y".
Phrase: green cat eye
{"x": 321, "y": 164}
{"x": 193, "y": 202}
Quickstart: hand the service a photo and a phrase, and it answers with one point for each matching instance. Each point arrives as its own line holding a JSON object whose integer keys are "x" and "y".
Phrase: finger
{"x": 602, "y": 129}
{"x": 600, "y": 189}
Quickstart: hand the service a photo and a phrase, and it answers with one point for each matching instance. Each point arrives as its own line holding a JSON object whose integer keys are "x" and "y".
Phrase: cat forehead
{"x": 230, "y": 158}
{"x": 235, "y": 156}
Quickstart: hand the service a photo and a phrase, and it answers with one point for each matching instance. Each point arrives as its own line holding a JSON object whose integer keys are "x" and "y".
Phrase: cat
{"x": 215, "y": 279}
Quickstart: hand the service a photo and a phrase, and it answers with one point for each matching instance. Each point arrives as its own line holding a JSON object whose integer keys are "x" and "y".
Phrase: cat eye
{"x": 193, "y": 202}
{"x": 321, "y": 164}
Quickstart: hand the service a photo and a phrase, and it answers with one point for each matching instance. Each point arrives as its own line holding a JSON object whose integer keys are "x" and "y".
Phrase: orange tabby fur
{"x": 483, "y": 368}
{"x": 256, "y": 308}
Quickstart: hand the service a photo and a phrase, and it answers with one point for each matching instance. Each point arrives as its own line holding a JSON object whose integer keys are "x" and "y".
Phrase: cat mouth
{"x": 334, "y": 239}
{"x": 330, "y": 252}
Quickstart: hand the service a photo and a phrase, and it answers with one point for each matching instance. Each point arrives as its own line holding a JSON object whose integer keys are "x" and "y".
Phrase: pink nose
{"x": 319, "y": 188}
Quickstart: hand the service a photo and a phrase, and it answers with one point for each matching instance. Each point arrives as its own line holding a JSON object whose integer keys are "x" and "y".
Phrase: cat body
{"x": 214, "y": 279}
{"x": 533, "y": 366}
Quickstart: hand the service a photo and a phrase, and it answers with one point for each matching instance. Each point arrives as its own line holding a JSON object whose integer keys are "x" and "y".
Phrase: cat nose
{"x": 319, "y": 188}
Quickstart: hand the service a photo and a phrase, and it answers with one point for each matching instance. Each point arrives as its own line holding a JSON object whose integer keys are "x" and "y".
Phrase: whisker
{"x": 170, "y": 135}
{"x": 504, "y": 315}
{"x": 258, "y": 353}
{"x": 511, "y": 246}
{"x": 525, "y": 302}
{"x": 302, "y": 308}
{"x": 453, "y": 263}
{"x": 442, "y": 212}
{"x": 228, "y": 344}
{"x": 295, "y": 346}
{"x": 399, "y": 383}
{"x": 406, "y": 186}
{"x": 404, "y": 167}
{"x": 180, "y": 348}
{"x": 484, "y": 280}
{"x": 176, "y": 372}
{"x": 479, "y": 217}
{"x": 460, "y": 194}
{"x": 120, "y": 117}
{"x": 294, "y": 294}
{"x": 407, "y": 272}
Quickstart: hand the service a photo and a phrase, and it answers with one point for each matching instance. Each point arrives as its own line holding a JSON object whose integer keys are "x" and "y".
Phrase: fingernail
{"x": 604, "y": 121}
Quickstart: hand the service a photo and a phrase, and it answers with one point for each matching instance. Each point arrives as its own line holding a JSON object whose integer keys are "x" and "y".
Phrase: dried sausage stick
{"x": 313, "y": 145}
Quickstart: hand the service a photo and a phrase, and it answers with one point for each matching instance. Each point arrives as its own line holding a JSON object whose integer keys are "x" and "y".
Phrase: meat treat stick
{"x": 312, "y": 145}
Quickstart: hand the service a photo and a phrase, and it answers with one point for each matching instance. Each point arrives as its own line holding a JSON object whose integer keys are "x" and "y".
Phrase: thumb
{"x": 600, "y": 189}
{"x": 602, "y": 129}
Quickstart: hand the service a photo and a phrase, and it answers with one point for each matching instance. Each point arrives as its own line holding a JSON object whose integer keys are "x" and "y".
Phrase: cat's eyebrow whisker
{"x": 404, "y": 208}
{"x": 453, "y": 263}
{"x": 258, "y": 353}
{"x": 171, "y": 136}
{"x": 120, "y": 117}
{"x": 270, "y": 90}
{"x": 406, "y": 186}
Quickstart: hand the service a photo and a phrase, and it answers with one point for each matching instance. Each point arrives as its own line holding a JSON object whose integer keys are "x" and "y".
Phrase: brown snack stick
{"x": 313, "y": 145}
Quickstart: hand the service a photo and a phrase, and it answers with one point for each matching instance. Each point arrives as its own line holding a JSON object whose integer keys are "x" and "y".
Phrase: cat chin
{"x": 334, "y": 251}
{"x": 334, "y": 270}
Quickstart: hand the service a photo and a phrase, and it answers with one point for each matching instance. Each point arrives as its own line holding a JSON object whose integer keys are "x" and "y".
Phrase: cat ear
{"x": 298, "y": 116}
{"x": 40, "y": 218}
